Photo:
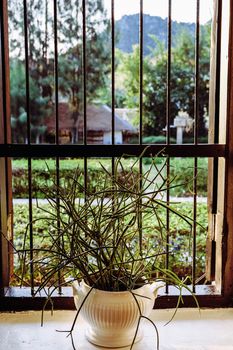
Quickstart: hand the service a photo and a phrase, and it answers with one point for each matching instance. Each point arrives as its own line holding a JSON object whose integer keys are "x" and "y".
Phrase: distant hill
{"x": 128, "y": 31}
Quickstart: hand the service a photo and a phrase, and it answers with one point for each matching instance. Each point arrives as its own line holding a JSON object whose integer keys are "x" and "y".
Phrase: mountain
{"x": 127, "y": 29}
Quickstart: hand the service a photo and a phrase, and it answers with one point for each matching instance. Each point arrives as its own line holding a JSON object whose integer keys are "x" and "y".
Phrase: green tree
{"x": 98, "y": 48}
{"x": 155, "y": 81}
{"x": 70, "y": 50}
{"x": 39, "y": 68}
{"x": 38, "y": 105}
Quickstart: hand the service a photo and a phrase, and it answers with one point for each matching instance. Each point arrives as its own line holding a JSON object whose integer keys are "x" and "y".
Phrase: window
{"x": 80, "y": 139}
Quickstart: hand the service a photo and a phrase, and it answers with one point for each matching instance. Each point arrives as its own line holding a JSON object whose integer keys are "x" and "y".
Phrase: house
{"x": 99, "y": 126}
{"x": 66, "y": 124}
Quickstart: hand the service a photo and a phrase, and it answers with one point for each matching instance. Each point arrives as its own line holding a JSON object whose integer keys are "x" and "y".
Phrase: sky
{"x": 182, "y": 10}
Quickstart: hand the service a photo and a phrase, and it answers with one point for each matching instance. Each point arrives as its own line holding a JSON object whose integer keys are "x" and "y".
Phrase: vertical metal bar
{"x": 196, "y": 118}
{"x": 29, "y": 142}
{"x": 27, "y": 72}
{"x": 57, "y": 129}
{"x": 169, "y": 46}
{"x": 217, "y": 106}
{"x": 84, "y": 92}
{"x": 197, "y": 55}
{"x": 194, "y": 224}
{"x": 141, "y": 48}
{"x": 141, "y": 29}
{"x": 113, "y": 82}
{"x": 167, "y": 219}
{"x": 84, "y": 74}
{"x": 56, "y": 72}
{"x": 113, "y": 70}
{"x": 168, "y": 123}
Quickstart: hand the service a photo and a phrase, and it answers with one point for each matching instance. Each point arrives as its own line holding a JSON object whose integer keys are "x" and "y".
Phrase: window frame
{"x": 20, "y": 299}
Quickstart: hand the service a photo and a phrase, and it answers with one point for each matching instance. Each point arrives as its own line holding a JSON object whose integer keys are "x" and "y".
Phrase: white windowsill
{"x": 211, "y": 329}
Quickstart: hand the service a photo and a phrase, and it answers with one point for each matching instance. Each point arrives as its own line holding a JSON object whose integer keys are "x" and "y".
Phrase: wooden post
{"x": 5, "y": 164}
{"x": 227, "y": 246}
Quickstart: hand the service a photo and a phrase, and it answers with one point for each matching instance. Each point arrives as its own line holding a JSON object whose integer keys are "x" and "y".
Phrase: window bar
{"x": 84, "y": 93}
{"x": 29, "y": 142}
{"x": 3, "y": 73}
{"x": 113, "y": 72}
{"x": 84, "y": 75}
{"x": 141, "y": 35}
{"x": 141, "y": 28}
{"x": 168, "y": 122}
{"x": 113, "y": 80}
{"x": 196, "y": 117}
{"x": 217, "y": 105}
{"x": 57, "y": 130}
{"x": 169, "y": 47}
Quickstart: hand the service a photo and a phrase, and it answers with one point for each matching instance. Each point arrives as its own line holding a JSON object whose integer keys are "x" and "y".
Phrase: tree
{"x": 40, "y": 20}
{"x": 39, "y": 69}
{"x": 155, "y": 81}
{"x": 38, "y": 105}
{"x": 98, "y": 48}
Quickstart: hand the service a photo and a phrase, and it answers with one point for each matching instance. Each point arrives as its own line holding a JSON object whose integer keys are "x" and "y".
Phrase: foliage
{"x": 42, "y": 64}
{"x": 182, "y": 84}
{"x": 44, "y": 174}
{"x": 39, "y": 107}
{"x": 104, "y": 238}
{"x": 180, "y": 259}
{"x": 157, "y": 139}
{"x": 181, "y": 170}
{"x": 98, "y": 47}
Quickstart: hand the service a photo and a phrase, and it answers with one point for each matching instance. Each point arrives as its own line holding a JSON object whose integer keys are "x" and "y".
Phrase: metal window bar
{"x": 196, "y": 119}
{"x": 84, "y": 58}
{"x": 141, "y": 52}
{"x": 27, "y": 88}
{"x": 141, "y": 28}
{"x": 113, "y": 71}
{"x": 168, "y": 123}
{"x": 57, "y": 127}
{"x": 113, "y": 81}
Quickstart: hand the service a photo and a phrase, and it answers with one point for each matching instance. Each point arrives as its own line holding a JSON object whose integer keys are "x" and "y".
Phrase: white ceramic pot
{"x": 113, "y": 316}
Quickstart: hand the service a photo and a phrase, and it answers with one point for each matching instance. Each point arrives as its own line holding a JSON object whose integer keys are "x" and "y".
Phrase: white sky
{"x": 182, "y": 10}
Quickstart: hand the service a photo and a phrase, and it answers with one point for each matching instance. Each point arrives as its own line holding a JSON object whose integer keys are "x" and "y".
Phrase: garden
{"x": 180, "y": 237}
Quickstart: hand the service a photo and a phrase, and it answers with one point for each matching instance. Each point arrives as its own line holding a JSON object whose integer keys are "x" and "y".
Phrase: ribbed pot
{"x": 113, "y": 316}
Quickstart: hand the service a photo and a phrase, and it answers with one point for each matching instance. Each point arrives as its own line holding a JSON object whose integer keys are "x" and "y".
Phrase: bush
{"x": 157, "y": 139}
{"x": 182, "y": 170}
{"x": 44, "y": 174}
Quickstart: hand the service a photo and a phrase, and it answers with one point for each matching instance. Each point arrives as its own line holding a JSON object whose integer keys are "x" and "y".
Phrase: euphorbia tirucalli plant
{"x": 111, "y": 239}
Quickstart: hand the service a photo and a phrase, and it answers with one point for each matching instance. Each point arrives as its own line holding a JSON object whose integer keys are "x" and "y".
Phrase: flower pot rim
{"x": 84, "y": 284}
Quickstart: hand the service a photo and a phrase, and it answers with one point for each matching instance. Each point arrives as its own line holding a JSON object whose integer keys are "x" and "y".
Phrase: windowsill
{"x": 208, "y": 330}
{"x": 19, "y": 299}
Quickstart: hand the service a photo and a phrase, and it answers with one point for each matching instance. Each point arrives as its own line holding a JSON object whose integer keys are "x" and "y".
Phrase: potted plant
{"x": 110, "y": 242}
